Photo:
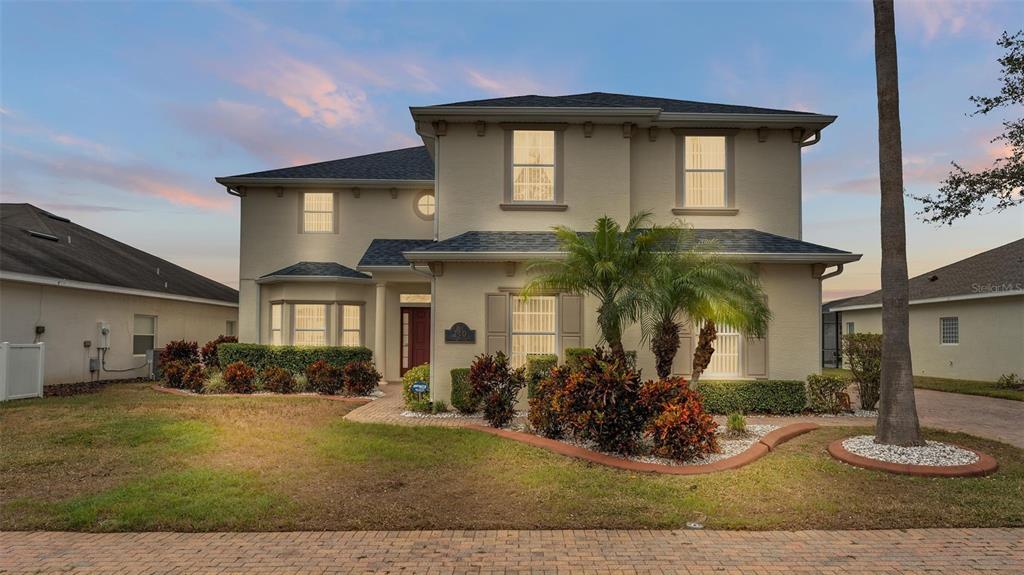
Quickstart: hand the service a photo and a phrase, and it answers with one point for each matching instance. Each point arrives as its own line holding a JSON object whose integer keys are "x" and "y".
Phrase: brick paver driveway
{"x": 934, "y": 551}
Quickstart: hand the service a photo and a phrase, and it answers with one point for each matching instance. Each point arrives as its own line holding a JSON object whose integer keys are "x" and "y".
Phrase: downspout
{"x": 433, "y": 319}
{"x": 821, "y": 283}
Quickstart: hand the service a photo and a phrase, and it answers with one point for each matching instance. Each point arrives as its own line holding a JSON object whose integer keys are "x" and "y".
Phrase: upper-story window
{"x": 317, "y": 213}
{"x": 533, "y": 166}
{"x": 426, "y": 205}
{"x": 705, "y": 179}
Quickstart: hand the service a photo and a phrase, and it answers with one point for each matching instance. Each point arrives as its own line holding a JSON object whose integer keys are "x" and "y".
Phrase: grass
{"x": 130, "y": 459}
{"x": 964, "y": 386}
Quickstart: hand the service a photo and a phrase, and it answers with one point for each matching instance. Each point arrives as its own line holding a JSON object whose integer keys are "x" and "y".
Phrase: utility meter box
{"x": 103, "y": 329}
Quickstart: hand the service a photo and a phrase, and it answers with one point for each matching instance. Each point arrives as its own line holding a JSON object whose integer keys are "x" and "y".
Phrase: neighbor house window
{"x": 704, "y": 177}
{"x": 426, "y": 205}
{"x": 849, "y": 328}
{"x": 143, "y": 334}
{"x": 533, "y": 327}
{"x": 318, "y": 213}
{"x": 276, "y": 313}
{"x": 949, "y": 330}
{"x": 310, "y": 326}
{"x": 351, "y": 324}
{"x": 533, "y": 166}
{"x": 229, "y": 328}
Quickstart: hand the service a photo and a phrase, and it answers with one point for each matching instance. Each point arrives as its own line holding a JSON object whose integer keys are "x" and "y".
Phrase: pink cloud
{"x": 508, "y": 84}
{"x": 933, "y": 19}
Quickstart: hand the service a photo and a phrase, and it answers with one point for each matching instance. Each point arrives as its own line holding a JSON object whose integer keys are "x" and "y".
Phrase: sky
{"x": 119, "y": 115}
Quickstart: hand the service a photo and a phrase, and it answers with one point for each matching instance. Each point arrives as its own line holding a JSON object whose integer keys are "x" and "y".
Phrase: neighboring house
{"x": 966, "y": 319}
{"x": 419, "y": 253}
{"x": 59, "y": 281}
{"x": 832, "y": 333}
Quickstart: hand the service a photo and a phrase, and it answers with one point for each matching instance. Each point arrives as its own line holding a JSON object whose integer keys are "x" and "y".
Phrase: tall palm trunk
{"x": 702, "y": 355}
{"x": 612, "y": 332}
{"x": 664, "y": 346}
{"x": 897, "y": 411}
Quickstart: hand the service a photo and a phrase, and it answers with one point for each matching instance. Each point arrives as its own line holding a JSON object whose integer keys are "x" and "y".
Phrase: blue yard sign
{"x": 419, "y": 387}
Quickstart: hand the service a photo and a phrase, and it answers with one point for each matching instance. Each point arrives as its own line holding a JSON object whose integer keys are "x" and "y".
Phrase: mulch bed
{"x": 81, "y": 387}
{"x": 183, "y": 393}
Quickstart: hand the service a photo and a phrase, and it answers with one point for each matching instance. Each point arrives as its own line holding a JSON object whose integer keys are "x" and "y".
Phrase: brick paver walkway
{"x": 933, "y": 551}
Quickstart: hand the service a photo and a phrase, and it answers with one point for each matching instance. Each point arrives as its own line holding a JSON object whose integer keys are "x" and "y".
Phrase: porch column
{"x": 380, "y": 323}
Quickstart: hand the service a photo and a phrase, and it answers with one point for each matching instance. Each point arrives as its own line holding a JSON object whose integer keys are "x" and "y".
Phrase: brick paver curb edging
{"x": 182, "y": 393}
{"x": 985, "y": 465}
{"x": 756, "y": 451}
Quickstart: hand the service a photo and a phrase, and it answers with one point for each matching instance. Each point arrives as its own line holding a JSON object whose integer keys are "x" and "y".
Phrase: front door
{"x": 415, "y": 337}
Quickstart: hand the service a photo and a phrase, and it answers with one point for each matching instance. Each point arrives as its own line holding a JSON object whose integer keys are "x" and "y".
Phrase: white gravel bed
{"x": 455, "y": 415}
{"x": 728, "y": 444}
{"x": 934, "y": 453}
{"x": 854, "y": 413}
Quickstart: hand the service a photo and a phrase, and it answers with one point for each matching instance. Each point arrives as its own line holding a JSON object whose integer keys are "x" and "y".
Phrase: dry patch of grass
{"x": 132, "y": 459}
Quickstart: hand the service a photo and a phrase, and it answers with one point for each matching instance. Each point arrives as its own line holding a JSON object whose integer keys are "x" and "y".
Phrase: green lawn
{"x": 965, "y": 386}
{"x": 131, "y": 459}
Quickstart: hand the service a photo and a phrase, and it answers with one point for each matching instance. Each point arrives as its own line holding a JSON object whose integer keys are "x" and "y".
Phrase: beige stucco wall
{"x": 793, "y": 334}
{"x": 991, "y": 337}
{"x": 71, "y": 316}
{"x": 767, "y": 182}
{"x": 271, "y": 240}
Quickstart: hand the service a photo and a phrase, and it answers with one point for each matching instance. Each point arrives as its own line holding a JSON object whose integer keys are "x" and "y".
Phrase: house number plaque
{"x": 459, "y": 333}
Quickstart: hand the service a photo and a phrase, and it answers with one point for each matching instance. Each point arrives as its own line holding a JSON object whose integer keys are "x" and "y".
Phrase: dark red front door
{"x": 415, "y": 337}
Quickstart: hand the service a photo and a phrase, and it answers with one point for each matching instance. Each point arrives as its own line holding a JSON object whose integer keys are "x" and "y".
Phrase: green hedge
{"x": 415, "y": 401}
{"x": 753, "y": 396}
{"x": 463, "y": 397}
{"x": 537, "y": 366}
{"x": 293, "y": 358}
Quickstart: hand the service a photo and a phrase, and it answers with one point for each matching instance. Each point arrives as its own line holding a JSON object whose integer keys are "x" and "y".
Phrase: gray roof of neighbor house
{"x": 388, "y": 253}
{"x": 995, "y": 272}
{"x": 414, "y": 164}
{"x": 730, "y": 241}
{"x": 37, "y": 243}
{"x": 607, "y": 100}
{"x": 317, "y": 270}
{"x": 828, "y": 306}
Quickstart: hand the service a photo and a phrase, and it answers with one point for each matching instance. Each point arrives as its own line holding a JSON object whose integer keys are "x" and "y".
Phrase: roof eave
{"x": 230, "y": 181}
{"x": 822, "y": 258}
{"x": 326, "y": 279}
{"x": 942, "y": 299}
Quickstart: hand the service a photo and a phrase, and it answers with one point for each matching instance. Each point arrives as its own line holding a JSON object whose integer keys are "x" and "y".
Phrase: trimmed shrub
{"x": 277, "y": 380}
{"x": 239, "y": 378}
{"x": 659, "y": 392}
{"x": 537, "y": 367}
{"x": 736, "y": 424}
{"x": 181, "y": 350}
{"x": 209, "y": 352}
{"x": 324, "y": 377}
{"x": 173, "y": 371}
{"x": 683, "y": 430}
{"x": 753, "y": 396}
{"x": 290, "y": 357}
{"x": 498, "y": 386}
{"x": 864, "y": 354}
{"x": 825, "y": 393}
{"x": 544, "y": 417}
{"x": 193, "y": 378}
{"x": 464, "y": 398}
{"x": 360, "y": 378}
{"x": 412, "y": 375}
{"x": 600, "y": 402}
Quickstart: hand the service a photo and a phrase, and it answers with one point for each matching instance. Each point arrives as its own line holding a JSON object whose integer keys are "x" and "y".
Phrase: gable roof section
{"x": 324, "y": 270}
{"x": 407, "y": 164}
{"x": 993, "y": 273}
{"x": 388, "y": 253}
{"x": 34, "y": 242}
{"x": 608, "y": 100}
{"x": 484, "y": 244}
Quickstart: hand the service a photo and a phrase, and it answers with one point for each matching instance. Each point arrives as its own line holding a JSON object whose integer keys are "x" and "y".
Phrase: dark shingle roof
{"x": 606, "y": 100}
{"x": 64, "y": 250}
{"x": 742, "y": 241}
{"x": 318, "y": 269}
{"x": 405, "y": 164}
{"x": 389, "y": 252}
{"x": 998, "y": 269}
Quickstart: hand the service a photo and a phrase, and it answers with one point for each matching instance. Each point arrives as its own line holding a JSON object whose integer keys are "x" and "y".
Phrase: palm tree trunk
{"x": 897, "y": 410}
{"x": 702, "y": 355}
{"x": 664, "y": 346}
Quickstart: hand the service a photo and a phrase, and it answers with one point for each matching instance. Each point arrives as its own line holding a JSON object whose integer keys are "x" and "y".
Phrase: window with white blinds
{"x": 533, "y": 166}
{"x": 351, "y": 324}
{"x": 534, "y": 327}
{"x": 726, "y": 359}
{"x": 317, "y": 213}
{"x": 310, "y": 327}
{"x": 704, "y": 172}
{"x": 276, "y": 312}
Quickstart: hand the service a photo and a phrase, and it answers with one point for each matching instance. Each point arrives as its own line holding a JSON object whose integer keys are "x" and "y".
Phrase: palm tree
{"x": 897, "y": 410}
{"x": 607, "y": 264}
{"x": 699, "y": 284}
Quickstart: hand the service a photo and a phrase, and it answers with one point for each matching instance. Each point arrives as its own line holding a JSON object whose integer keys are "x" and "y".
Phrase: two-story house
{"x": 419, "y": 253}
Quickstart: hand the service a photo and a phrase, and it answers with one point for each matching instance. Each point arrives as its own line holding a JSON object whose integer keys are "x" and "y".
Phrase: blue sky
{"x": 120, "y": 115}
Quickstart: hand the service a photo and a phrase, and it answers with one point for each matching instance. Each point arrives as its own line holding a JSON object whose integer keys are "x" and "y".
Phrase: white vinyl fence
{"x": 21, "y": 370}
